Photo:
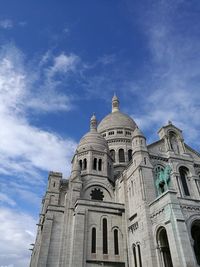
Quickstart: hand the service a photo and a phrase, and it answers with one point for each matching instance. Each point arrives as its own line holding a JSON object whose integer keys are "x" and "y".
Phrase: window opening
{"x": 139, "y": 255}
{"x": 93, "y": 250}
{"x": 105, "y": 237}
{"x": 195, "y": 232}
{"x": 94, "y": 164}
{"x": 121, "y": 155}
{"x": 80, "y": 164}
{"x": 85, "y": 164}
{"x": 100, "y": 165}
{"x": 183, "y": 175}
{"x": 134, "y": 256}
{"x": 116, "y": 244}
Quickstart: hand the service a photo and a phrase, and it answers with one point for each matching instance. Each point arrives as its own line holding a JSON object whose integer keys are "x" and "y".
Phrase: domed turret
{"x": 93, "y": 139}
{"x": 93, "y": 153}
{"x": 117, "y": 128}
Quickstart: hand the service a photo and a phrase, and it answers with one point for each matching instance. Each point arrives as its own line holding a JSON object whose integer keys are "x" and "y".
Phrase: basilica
{"x": 125, "y": 204}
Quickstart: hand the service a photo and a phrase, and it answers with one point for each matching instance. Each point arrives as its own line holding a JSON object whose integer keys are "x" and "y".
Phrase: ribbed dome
{"x": 93, "y": 139}
{"x": 116, "y": 120}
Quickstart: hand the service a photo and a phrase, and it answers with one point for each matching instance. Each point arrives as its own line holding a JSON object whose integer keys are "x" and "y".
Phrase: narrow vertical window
{"x": 105, "y": 237}
{"x": 134, "y": 256}
{"x": 112, "y": 152}
{"x": 145, "y": 160}
{"x": 100, "y": 165}
{"x": 85, "y": 164}
{"x": 116, "y": 244}
{"x": 80, "y": 164}
{"x": 93, "y": 250}
{"x": 94, "y": 164}
{"x": 183, "y": 174}
{"x": 129, "y": 154}
{"x": 139, "y": 255}
{"x": 121, "y": 155}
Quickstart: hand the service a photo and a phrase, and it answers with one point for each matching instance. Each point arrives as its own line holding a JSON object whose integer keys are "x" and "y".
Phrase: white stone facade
{"x": 125, "y": 204}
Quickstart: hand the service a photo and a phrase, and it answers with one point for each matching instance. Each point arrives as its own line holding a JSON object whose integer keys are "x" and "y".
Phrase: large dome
{"x": 116, "y": 119}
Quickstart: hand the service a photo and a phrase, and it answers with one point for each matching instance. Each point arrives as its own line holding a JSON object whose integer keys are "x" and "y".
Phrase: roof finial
{"x": 93, "y": 123}
{"x": 115, "y": 103}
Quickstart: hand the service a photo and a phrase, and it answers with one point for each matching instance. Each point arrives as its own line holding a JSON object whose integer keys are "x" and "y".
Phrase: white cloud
{"x": 6, "y": 24}
{"x": 5, "y": 199}
{"x": 63, "y": 63}
{"x": 17, "y": 233}
{"x": 173, "y": 80}
{"x": 24, "y": 148}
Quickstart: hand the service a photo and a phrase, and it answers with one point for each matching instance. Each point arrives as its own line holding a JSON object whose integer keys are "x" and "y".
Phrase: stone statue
{"x": 163, "y": 180}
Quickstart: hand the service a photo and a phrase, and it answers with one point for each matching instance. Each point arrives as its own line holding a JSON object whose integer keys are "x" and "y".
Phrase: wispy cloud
{"x": 170, "y": 84}
{"x": 26, "y": 149}
{"x": 17, "y": 232}
{"x": 6, "y": 24}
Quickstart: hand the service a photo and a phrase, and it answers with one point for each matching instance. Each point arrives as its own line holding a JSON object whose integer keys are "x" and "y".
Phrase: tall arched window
{"x": 139, "y": 256}
{"x": 112, "y": 152}
{"x": 105, "y": 237}
{"x": 163, "y": 246}
{"x": 100, "y": 165}
{"x": 80, "y": 164}
{"x": 183, "y": 175}
{"x": 116, "y": 242}
{"x": 129, "y": 154}
{"x": 134, "y": 255}
{"x": 85, "y": 164}
{"x": 195, "y": 232}
{"x": 121, "y": 155}
{"x": 93, "y": 245}
{"x": 94, "y": 164}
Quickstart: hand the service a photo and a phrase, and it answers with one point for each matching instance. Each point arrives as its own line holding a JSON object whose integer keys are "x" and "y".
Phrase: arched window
{"x": 183, "y": 175}
{"x": 163, "y": 246}
{"x": 85, "y": 164}
{"x": 112, "y": 152}
{"x": 80, "y": 164}
{"x": 195, "y": 232}
{"x": 134, "y": 255}
{"x": 158, "y": 169}
{"x": 94, "y": 164}
{"x": 93, "y": 245}
{"x": 129, "y": 154}
{"x": 100, "y": 165}
{"x": 116, "y": 242}
{"x": 121, "y": 155}
{"x": 105, "y": 237}
{"x": 139, "y": 256}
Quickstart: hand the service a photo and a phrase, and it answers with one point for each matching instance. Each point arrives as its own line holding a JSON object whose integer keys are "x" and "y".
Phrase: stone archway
{"x": 195, "y": 233}
{"x": 163, "y": 245}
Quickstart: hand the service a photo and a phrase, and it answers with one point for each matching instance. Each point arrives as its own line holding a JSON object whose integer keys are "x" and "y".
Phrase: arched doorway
{"x": 195, "y": 232}
{"x": 164, "y": 249}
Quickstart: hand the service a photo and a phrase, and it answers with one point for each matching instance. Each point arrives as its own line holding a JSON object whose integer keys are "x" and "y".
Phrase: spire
{"x": 115, "y": 103}
{"x": 93, "y": 123}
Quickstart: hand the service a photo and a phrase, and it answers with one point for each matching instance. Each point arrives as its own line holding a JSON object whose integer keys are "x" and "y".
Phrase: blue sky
{"x": 60, "y": 61}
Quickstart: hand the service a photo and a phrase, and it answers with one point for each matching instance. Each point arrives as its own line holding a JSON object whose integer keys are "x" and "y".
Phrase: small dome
{"x": 116, "y": 120}
{"x": 93, "y": 139}
{"x": 138, "y": 132}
